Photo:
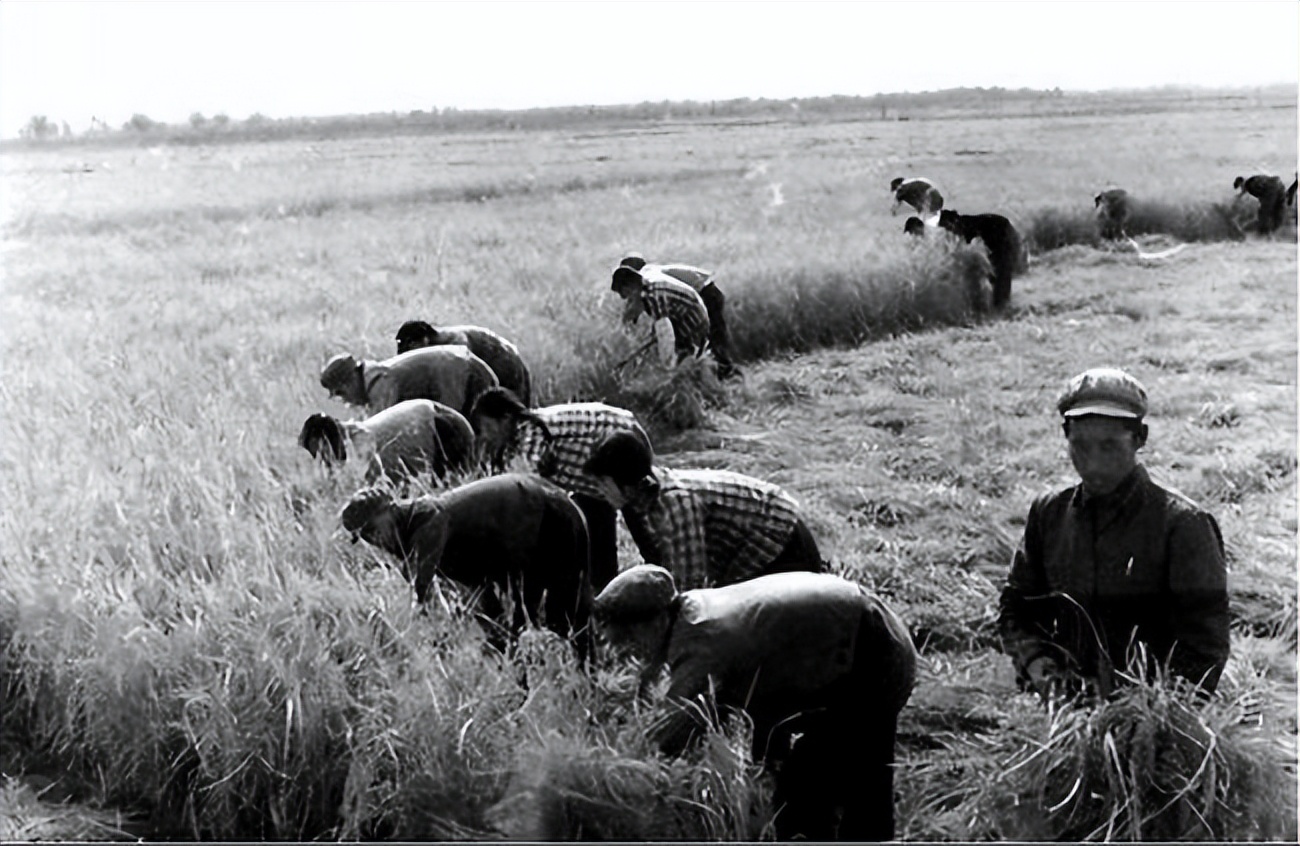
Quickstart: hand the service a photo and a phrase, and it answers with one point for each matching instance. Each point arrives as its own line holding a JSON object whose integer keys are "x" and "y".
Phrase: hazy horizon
{"x": 70, "y": 61}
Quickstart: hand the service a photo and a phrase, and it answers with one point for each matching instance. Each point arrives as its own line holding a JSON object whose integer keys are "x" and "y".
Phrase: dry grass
{"x": 186, "y": 635}
{"x": 1150, "y": 764}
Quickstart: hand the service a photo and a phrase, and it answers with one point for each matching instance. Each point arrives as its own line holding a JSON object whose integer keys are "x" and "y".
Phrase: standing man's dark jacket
{"x": 1094, "y": 575}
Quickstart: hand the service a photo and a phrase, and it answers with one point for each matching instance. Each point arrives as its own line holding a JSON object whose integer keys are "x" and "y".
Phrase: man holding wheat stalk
{"x": 1117, "y": 577}
{"x": 681, "y": 321}
{"x": 820, "y": 665}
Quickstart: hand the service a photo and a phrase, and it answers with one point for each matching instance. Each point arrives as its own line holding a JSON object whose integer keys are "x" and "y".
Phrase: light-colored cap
{"x": 1107, "y": 391}
{"x": 337, "y": 371}
{"x": 638, "y": 593}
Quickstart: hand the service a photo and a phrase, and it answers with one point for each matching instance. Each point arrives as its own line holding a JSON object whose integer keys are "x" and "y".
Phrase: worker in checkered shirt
{"x": 681, "y": 321}
{"x": 710, "y": 294}
{"x": 707, "y": 527}
{"x": 555, "y": 441}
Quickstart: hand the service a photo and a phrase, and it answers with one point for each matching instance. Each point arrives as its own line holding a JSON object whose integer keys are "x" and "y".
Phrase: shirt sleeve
{"x": 1023, "y": 638}
{"x": 533, "y": 447}
{"x": 681, "y": 543}
{"x": 1199, "y": 590}
{"x": 665, "y": 341}
{"x": 426, "y": 547}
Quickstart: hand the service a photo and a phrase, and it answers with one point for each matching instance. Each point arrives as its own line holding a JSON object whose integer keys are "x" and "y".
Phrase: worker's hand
{"x": 1045, "y": 676}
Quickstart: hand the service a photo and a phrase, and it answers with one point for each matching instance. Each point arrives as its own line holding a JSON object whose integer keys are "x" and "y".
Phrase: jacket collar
{"x": 1129, "y": 494}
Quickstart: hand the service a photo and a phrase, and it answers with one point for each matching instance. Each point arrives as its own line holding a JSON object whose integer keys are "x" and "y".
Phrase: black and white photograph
{"x": 644, "y": 421}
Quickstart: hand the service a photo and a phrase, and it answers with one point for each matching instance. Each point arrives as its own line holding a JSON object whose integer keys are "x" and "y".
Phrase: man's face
{"x": 640, "y": 641}
{"x": 319, "y": 448}
{"x": 628, "y": 291}
{"x": 350, "y": 390}
{"x": 381, "y": 531}
{"x": 633, "y": 308}
{"x": 1103, "y": 451}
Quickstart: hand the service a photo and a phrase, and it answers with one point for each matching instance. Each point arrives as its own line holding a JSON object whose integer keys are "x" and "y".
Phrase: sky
{"x": 167, "y": 59}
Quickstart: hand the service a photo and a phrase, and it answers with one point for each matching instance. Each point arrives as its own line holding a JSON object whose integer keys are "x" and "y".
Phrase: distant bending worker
{"x": 681, "y": 321}
{"x": 820, "y": 665}
{"x": 497, "y": 352}
{"x": 706, "y": 286}
{"x": 919, "y": 193}
{"x": 707, "y": 527}
{"x": 1115, "y": 563}
{"x": 1271, "y": 193}
{"x": 1112, "y": 207}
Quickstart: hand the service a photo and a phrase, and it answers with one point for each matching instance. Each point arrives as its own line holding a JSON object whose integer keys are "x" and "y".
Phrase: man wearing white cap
{"x": 821, "y": 666}
{"x": 1114, "y": 563}
{"x": 451, "y": 375}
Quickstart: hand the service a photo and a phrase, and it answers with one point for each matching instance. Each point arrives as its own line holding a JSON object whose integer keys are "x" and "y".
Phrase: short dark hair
{"x": 413, "y": 331}
{"x": 914, "y": 226}
{"x": 624, "y": 275}
{"x": 323, "y": 426}
{"x": 623, "y": 457}
{"x": 497, "y": 402}
{"x": 633, "y": 261}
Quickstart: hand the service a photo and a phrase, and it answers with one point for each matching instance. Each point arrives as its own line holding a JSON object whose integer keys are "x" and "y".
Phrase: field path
{"x": 917, "y": 456}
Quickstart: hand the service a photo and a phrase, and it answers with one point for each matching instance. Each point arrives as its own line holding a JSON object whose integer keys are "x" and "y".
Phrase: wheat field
{"x": 193, "y": 649}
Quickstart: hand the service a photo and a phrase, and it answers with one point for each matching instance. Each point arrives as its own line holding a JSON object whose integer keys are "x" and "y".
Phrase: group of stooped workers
{"x": 733, "y": 596}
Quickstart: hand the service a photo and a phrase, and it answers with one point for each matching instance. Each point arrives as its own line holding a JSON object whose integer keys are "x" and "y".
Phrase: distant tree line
{"x": 1006, "y": 102}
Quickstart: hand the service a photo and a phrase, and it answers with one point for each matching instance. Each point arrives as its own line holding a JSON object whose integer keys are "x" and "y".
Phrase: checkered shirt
{"x": 576, "y": 430}
{"x": 664, "y": 296}
{"x": 715, "y": 527}
{"x": 696, "y": 277}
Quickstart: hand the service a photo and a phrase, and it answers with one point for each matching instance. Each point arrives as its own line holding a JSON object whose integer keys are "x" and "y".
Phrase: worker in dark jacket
{"x": 451, "y": 375}
{"x": 819, "y": 664}
{"x": 1271, "y": 193}
{"x": 555, "y": 442}
{"x": 499, "y": 354}
{"x": 708, "y": 527}
{"x": 1112, "y": 207}
{"x": 1114, "y": 563}
{"x": 518, "y": 536}
{"x": 715, "y": 304}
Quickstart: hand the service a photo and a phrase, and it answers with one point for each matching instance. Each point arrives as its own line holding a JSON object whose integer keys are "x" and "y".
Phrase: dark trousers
{"x": 603, "y": 537}
{"x": 836, "y": 780}
{"x": 1271, "y": 208}
{"x": 799, "y": 553}
{"x": 719, "y": 337}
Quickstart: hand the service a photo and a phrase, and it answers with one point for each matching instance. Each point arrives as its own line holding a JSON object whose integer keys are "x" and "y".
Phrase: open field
{"x": 190, "y": 641}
